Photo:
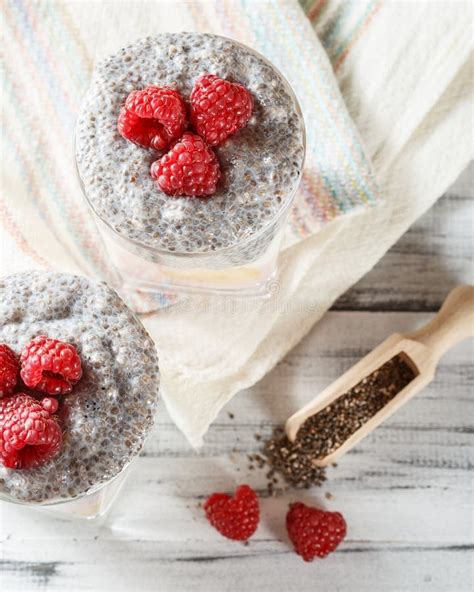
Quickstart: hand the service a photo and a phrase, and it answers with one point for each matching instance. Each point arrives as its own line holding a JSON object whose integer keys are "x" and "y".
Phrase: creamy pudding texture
{"x": 110, "y": 411}
{"x": 260, "y": 164}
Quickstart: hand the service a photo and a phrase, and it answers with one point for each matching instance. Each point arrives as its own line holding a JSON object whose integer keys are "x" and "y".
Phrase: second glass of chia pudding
{"x": 190, "y": 148}
{"x": 79, "y": 387}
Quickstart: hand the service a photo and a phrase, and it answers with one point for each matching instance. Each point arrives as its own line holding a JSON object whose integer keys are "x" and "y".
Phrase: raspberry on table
{"x": 153, "y": 117}
{"x": 29, "y": 434}
{"x": 189, "y": 168}
{"x": 219, "y": 108}
{"x": 314, "y": 532}
{"x": 50, "y": 366}
{"x": 9, "y": 370}
{"x": 235, "y": 517}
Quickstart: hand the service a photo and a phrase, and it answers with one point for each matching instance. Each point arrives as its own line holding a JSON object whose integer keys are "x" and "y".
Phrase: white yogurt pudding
{"x": 107, "y": 416}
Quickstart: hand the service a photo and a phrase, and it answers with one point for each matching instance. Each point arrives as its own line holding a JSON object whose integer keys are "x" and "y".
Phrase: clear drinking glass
{"x": 245, "y": 268}
{"x": 93, "y": 504}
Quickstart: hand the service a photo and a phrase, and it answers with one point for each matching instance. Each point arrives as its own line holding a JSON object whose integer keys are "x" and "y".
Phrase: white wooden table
{"x": 406, "y": 491}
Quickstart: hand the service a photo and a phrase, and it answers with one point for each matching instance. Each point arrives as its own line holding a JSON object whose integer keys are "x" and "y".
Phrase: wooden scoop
{"x": 421, "y": 350}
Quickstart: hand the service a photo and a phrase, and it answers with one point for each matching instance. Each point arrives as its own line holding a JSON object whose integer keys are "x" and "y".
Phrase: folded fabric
{"x": 406, "y": 92}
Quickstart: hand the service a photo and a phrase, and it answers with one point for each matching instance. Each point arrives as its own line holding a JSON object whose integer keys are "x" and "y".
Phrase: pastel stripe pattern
{"x": 340, "y": 24}
{"x": 47, "y": 63}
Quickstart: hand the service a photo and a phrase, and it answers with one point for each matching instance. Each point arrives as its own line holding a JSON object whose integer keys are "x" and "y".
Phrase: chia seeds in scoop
{"x": 323, "y": 433}
{"x": 110, "y": 410}
{"x": 260, "y": 164}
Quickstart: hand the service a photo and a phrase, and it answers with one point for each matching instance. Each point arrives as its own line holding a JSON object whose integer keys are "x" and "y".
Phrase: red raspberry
{"x": 219, "y": 108}
{"x": 314, "y": 532}
{"x": 236, "y": 518}
{"x": 9, "y": 370}
{"x": 152, "y": 117}
{"x": 50, "y": 404}
{"x": 29, "y": 435}
{"x": 50, "y": 366}
{"x": 189, "y": 168}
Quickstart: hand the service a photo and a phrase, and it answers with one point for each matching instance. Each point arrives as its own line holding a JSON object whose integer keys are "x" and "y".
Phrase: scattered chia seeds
{"x": 294, "y": 463}
{"x": 324, "y": 432}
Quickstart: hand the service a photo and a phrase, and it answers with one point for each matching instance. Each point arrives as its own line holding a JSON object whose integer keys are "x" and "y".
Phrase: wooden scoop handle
{"x": 453, "y": 323}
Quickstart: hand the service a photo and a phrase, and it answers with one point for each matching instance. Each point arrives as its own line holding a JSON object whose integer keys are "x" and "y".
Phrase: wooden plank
{"x": 134, "y": 565}
{"x": 406, "y": 492}
{"x": 417, "y": 273}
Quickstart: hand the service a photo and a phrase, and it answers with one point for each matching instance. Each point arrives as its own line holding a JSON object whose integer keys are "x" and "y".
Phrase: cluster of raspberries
{"x": 30, "y": 432}
{"x": 313, "y": 532}
{"x": 155, "y": 117}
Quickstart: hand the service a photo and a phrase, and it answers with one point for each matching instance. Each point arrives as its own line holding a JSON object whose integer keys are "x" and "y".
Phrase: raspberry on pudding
{"x": 88, "y": 390}
{"x": 50, "y": 366}
{"x": 219, "y": 108}
{"x": 189, "y": 168}
{"x": 30, "y": 435}
{"x": 9, "y": 370}
{"x": 153, "y": 117}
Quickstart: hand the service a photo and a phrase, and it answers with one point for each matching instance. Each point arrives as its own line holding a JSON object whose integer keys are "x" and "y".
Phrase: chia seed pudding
{"x": 261, "y": 164}
{"x": 107, "y": 416}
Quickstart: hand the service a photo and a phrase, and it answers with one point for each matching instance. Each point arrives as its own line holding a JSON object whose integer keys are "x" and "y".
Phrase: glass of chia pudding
{"x": 79, "y": 384}
{"x": 164, "y": 232}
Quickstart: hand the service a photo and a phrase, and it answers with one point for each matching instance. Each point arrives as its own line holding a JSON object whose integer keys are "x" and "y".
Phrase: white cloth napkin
{"x": 404, "y": 72}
